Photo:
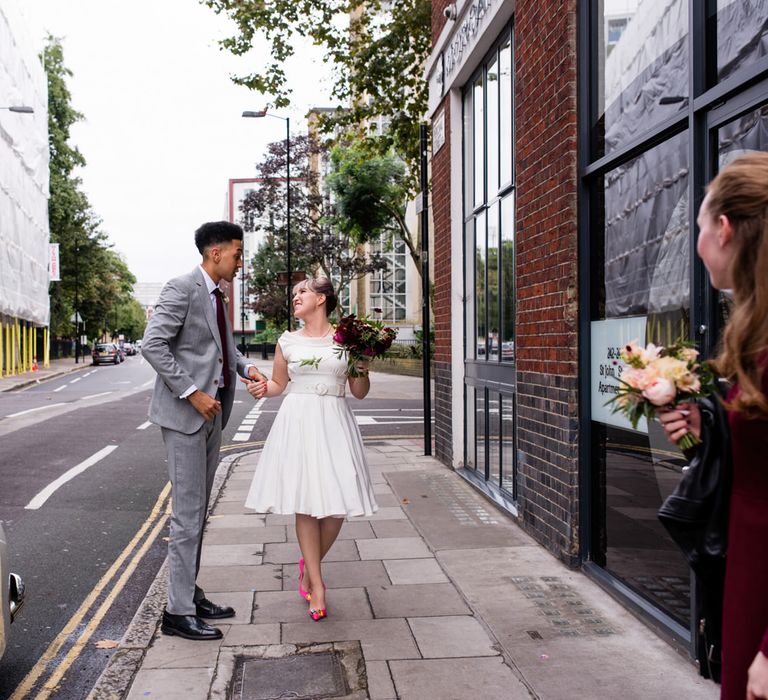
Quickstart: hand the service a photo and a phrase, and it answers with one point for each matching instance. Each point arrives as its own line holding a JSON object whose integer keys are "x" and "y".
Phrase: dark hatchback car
{"x": 106, "y": 353}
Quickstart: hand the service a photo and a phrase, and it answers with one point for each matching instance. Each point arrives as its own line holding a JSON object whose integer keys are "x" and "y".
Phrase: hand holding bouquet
{"x": 361, "y": 340}
{"x": 660, "y": 377}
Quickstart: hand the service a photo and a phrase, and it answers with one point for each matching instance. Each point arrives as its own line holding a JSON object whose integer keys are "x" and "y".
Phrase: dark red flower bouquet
{"x": 361, "y": 339}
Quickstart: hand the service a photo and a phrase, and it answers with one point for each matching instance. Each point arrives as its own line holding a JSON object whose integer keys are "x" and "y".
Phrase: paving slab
{"x": 254, "y": 634}
{"x": 267, "y": 577}
{"x": 341, "y": 574}
{"x": 232, "y": 507}
{"x": 458, "y": 679}
{"x": 451, "y": 637}
{"x": 405, "y": 571}
{"x": 385, "y": 513}
{"x": 231, "y": 554}
{"x": 393, "y": 528}
{"x": 217, "y": 521}
{"x": 171, "y": 684}
{"x": 233, "y": 494}
{"x": 418, "y": 600}
{"x": 277, "y": 519}
{"x": 382, "y": 490}
{"x": 381, "y": 640}
{"x": 393, "y": 548}
{"x": 175, "y": 652}
{"x": 380, "y": 686}
{"x": 245, "y": 535}
{"x": 342, "y": 550}
{"x": 349, "y": 531}
{"x": 451, "y": 514}
{"x": 288, "y": 606}
{"x": 554, "y": 622}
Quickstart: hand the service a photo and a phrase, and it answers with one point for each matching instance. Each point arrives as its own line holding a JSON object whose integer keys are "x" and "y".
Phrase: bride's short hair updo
{"x": 320, "y": 285}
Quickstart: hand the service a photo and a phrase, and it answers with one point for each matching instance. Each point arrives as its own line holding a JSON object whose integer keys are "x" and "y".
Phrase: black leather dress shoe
{"x": 189, "y": 627}
{"x": 205, "y": 608}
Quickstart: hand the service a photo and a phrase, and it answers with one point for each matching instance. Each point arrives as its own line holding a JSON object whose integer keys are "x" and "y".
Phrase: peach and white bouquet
{"x": 656, "y": 377}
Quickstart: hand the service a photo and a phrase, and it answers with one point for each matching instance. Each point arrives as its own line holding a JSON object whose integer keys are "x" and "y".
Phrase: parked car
{"x": 12, "y": 590}
{"x": 107, "y": 353}
{"x": 129, "y": 349}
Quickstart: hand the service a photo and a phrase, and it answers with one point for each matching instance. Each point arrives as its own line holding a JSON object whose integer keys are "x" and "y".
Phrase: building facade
{"x": 24, "y": 234}
{"x": 571, "y": 144}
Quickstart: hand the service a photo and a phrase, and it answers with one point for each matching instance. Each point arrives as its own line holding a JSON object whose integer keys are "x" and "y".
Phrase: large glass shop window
{"x": 739, "y": 29}
{"x": 642, "y": 68}
{"x": 642, "y": 294}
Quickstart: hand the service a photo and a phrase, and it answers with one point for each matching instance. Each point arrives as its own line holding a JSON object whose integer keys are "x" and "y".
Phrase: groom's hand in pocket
{"x": 204, "y": 404}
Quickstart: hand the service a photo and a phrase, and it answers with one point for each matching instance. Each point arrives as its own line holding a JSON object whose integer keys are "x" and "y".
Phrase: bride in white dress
{"x": 313, "y": 464}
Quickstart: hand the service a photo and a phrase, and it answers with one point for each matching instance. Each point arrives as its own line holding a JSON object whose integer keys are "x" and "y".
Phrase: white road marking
{"x": 241, "y": 437}
{"x": 32, "y": 410}
{"x": 149, "y": 383}
{"x": 63, "y": 386}
{"x": 96, "y": 396}
{"x": 371, "y": 420}
{"x": 49, "y": 490}
{"x": 144, "y": 426}
{"x": 75, "y": 381}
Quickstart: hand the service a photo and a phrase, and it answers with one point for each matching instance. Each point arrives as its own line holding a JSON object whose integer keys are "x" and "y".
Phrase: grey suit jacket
{"x": 182, "y": 344}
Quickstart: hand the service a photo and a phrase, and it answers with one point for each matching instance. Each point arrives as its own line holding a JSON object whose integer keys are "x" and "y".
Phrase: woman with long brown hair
{"x": 733, "y": 244}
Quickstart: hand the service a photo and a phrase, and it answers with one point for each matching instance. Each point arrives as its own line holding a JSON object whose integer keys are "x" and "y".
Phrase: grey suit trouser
{"x": 192, "y": 463}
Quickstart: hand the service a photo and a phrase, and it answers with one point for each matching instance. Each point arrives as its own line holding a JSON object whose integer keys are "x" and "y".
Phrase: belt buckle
{"x": 321, "y": 389}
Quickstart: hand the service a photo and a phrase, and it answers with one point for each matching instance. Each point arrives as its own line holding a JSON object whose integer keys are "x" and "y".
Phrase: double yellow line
{"x": 158, "y": 517}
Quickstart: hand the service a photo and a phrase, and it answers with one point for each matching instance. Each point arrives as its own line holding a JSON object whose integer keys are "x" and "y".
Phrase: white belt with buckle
{"x": 319, "y": 388}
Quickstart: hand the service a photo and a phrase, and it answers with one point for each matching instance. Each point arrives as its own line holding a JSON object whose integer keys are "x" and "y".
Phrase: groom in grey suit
{"x": 189, "y": 343}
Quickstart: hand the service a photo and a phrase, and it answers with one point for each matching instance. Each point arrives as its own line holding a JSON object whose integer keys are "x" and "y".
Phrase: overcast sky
{"x": 163, "y": 131}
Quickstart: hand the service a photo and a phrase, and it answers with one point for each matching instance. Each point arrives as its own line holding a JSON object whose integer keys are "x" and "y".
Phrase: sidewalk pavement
{"x": 438, "y": 595}
{"x": 57, "y": 368}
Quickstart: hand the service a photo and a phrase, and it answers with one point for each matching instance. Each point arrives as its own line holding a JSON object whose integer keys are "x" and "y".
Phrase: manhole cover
{"x": 317, "y": 675}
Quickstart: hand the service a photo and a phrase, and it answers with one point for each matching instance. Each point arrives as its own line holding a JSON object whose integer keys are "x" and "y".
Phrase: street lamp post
{"x": 287, "y": 120}
{"x": 242, "y": 303}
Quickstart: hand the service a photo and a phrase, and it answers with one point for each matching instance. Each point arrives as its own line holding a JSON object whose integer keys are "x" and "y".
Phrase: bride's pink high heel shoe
{"x": 302, "y": 592}
{"x": 318, "y": 614}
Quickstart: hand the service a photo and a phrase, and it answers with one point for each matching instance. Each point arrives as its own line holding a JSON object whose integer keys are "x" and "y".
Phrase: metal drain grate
{"x": 299, "y": 677}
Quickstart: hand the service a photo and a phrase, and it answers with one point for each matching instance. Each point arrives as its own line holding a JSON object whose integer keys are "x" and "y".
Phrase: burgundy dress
{"x": 745, "y": 606}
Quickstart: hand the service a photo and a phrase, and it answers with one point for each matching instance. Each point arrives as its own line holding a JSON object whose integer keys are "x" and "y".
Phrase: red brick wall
{"x": 438, "y": 19}
{"x": 547, "y": 253}
{"x": 441, "y": 217}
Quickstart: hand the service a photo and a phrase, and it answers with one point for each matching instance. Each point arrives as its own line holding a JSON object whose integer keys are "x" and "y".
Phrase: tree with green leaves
{"x": 369, "y": 192}
{"x": 315, "y": 242}
{"x": 376, "y": 48}
{"x": 92, "y": 274}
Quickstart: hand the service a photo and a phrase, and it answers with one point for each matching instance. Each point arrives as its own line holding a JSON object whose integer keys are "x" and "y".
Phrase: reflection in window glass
{"x": 633, "y": 544}
{"x": 494, "y": 436}
{"x": 748, "y": 133}
{"x": 480, "y": 312}
{"x": 469, "y": 307}
{"x": 492, "y": 132}
{"x": 643, "y": 68}
{"x": 479, "y": 141}
{"x": 507, "y": 481}
{"x": 493, "y": 282}
{"x": 469, "y": 408}
{"x": 508, "y": 277}
{"x": 469, "y": 151}
{"x": 505, "y": 112}
{"x": 480, "y": 442}
{"x": 646, "y": 236}
{"x": 741, "y": 28}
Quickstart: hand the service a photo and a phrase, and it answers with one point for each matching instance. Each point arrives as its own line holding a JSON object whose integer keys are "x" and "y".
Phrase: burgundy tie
{"x": 222, "y": 324}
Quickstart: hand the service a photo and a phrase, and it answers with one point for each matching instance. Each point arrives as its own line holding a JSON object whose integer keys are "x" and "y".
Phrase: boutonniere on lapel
{"x": 225, "y": 299}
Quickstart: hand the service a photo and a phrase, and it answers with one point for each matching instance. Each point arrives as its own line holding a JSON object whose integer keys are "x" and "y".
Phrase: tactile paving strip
{"x": 566, "y": 613}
